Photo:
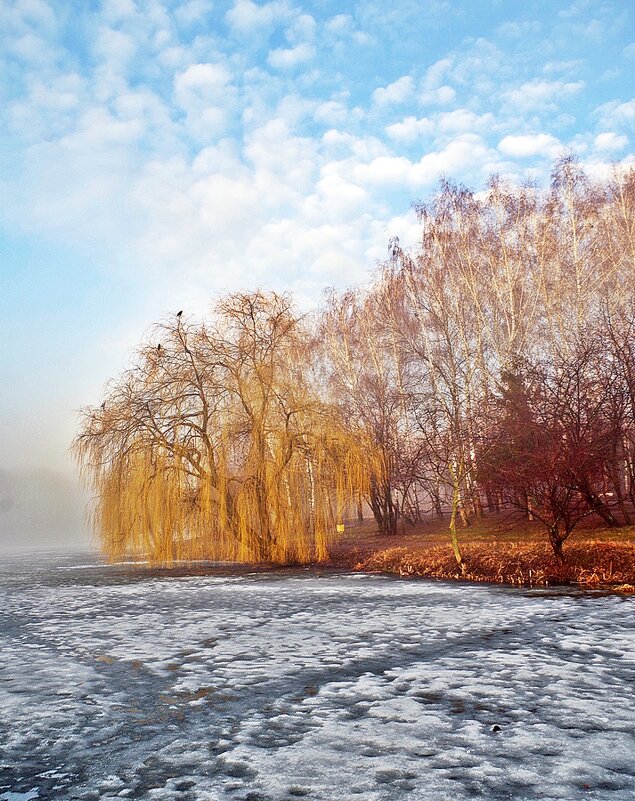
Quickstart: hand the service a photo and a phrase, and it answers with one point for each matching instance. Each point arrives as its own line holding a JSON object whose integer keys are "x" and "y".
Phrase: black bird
{"x": 159, "y": 348}
{"x": 178, "y": 314}
{"x": 393, "y": 247}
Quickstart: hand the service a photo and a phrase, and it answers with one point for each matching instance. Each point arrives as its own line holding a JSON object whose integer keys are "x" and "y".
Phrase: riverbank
{"x": 496, "y": 552}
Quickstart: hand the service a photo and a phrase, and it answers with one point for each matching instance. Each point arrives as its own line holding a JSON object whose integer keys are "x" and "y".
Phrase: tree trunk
{"x": 557, "y": 539}
{"x": 454, "y": 540}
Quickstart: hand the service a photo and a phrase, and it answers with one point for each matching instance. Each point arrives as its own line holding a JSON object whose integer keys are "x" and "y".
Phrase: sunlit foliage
{"x": 216, "y": 445}
{"x": 491, "y": 369}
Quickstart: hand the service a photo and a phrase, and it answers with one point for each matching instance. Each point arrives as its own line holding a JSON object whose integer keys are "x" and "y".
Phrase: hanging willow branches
{"x": 216, "y": 445}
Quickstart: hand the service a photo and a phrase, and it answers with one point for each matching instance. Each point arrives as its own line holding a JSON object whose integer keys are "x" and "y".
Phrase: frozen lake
{"x": 260, "y": 687}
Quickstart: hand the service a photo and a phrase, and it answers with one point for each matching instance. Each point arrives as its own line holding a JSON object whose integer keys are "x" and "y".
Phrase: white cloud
{"x": 384, "y": 170}
{"x": 462, "y": 154}
{"x": 616, "y": 112}
{"x": 32, "y": 13}
{"x": 600, "y": 170}
{"x": 245, "y": 16}
{"x": 436, "y": 74}
{"x": 201, "y": 83}
{"x": 31, "y": 48}
{"x": 98, "y": 128}
{"x": 397, "y": 92}
{"x": 410, "y": 129}
{"x": 335, "y": 199}
{"x": 462, "y": 120}
{"x": 536, "y": 95}
{"x": 205, "y": 93}
{"x": 193, "y": 11}
{"x": 331, "y": 112}
{"x": 515, "y": 30}
{"x": 610, "y": 141}
{"x": 302, "y": 29}
{"x": 114, "y": 11}
{"x": 340, "y": 24}
{"x": 552, "y": 67}
{"x": 479, "y": 67}
{"x": 442, "y": 96}
{"x": 287, "y": 58}
{"x": 528, "y": 145}
{"x": 114, "y": 46}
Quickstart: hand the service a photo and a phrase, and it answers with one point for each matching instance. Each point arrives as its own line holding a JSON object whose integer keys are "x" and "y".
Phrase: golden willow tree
{"x": 216, "y": 444}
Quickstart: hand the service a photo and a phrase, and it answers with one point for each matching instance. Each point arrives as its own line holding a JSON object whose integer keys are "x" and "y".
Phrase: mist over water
{"x": 144, "y": 684}
{"x": 41, "y": 509}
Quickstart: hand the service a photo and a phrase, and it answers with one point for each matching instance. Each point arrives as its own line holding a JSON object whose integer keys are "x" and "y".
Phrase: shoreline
{"x": 494, "y": 552}
{"x": 608, "y": 566}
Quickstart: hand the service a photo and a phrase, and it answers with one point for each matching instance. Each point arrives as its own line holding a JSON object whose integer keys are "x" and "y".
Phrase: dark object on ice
{"x": 495, "y": 728}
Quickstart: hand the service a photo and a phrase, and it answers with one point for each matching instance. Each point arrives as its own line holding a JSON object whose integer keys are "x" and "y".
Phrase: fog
{"x": 39, "y": 509}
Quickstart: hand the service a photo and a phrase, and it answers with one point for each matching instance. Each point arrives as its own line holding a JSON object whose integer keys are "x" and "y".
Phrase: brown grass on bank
{"x": 596, "y": 565}
{"x": 495, "y": 552}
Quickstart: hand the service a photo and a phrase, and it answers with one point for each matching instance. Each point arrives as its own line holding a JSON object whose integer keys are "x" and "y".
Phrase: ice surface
{"x": 118, "y": 683}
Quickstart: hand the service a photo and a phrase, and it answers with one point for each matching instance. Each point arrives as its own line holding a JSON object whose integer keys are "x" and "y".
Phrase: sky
{"x": 155, "y": 154}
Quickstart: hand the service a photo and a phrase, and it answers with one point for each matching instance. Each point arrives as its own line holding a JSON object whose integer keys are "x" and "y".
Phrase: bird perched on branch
{"x": 393, "y": 247}
{"x": 178, "y": 314}
{"x": 159, "y": 348}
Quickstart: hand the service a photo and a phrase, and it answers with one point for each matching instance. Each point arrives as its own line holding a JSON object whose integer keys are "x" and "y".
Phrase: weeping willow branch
{"x": 215, "y": 444}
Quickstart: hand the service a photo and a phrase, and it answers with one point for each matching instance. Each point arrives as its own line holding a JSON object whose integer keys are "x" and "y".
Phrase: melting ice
{"x": 118, "y": 683}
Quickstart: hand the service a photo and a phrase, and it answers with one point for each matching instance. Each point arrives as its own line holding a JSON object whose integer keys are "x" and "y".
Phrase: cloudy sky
{"x": 155, "y": 153}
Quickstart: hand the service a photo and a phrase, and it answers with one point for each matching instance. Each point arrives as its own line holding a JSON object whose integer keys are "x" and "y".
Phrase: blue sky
{"x": 156, "y": 153}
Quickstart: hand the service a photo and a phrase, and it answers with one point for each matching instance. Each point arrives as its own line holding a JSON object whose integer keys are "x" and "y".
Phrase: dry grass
{"x": 495, "y": 552}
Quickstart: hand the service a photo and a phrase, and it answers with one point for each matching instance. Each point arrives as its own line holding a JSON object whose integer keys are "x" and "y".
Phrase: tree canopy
{"x": 492, "y": 368}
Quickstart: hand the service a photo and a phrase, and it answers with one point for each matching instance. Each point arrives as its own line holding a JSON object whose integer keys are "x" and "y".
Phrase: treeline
{"x": 492, "y": 369}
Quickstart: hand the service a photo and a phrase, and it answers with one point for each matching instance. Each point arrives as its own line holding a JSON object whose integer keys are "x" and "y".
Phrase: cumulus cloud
{"x": 340, "y": 24}
{"x": 397, "y": 92}
{"x": 528, "y": 145}
{"x": 287, "y": 58}
{"x": 460, "y": 153}
{"x": 193, "y": 11}
{"x": 246, "y": 16}
{"x": 537, "y": 94}
{"x": 617, "y": 113}
{"x": 436, "y": 73}
{"x": 205, "y": 93}
{"x": 462, "y": 120}
{"x": 610, "y": 141}
{"x": 186, "y": 150}
{"x": 410, "y": 129}
{"x": 201, "y": 83}
{"x": 441, "y": 124}
{"x": 442, "y": 96}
